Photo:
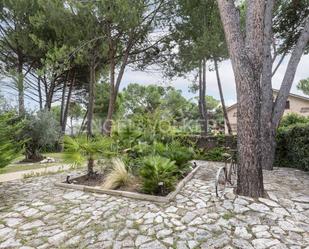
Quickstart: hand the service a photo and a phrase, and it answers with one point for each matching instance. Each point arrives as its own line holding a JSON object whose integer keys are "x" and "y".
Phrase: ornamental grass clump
{"x": 119, "y": 175}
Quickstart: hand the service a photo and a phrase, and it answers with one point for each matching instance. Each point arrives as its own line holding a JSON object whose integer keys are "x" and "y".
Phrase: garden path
{"x": 35, "y": 214}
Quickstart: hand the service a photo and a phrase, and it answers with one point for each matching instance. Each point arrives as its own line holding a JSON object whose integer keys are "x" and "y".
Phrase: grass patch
{"x": 15, "y": 166}
{"x": 228, "y": 216}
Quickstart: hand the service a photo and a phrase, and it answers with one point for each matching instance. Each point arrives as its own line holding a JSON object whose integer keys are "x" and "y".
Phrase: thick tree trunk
{"x": 250, "y": 177}
{"x": 226, "y": 118}
{"x": 246, "y": 62}
{"x": 91, "y": 93}
{"x": 267, "y": 129}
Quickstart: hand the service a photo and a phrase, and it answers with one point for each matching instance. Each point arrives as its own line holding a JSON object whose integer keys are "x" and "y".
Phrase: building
{"x": 295, "y": 104}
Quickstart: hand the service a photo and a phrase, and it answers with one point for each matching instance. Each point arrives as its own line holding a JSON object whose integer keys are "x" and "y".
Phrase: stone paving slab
{"x": 36, "y": 214}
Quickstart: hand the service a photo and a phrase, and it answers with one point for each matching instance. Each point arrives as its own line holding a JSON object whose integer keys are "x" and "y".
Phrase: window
{"x": 304, "y": 110}
{"x": 287, "y": 104}
{"x": 235, "y": 114}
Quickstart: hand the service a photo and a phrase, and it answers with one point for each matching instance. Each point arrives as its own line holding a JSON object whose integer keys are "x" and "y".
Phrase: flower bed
{"x": 133, "y": 193}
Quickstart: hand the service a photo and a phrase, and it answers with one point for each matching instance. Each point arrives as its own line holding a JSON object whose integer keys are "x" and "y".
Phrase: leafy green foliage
{"x": 303, "y": 85}
{"x": 139, "y": 99}
{"x": 158, "y": 175}
{"x": 41, "y": 130}
{"x": 82, "y": 148}
{"x": 215, "y": 154}
{"x": 10, "y": 145}
{"x": 287, "y": 16}
{"x": 293, "y": 118}
{"x": 175, "y": 151}
{"x": 293, "y": 146}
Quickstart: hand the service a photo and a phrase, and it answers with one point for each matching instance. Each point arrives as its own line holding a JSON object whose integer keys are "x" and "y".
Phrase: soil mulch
{"x": 90, "y": 181}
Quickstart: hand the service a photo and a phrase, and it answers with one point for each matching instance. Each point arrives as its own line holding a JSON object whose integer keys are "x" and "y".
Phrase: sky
{"x": 227, "y": 78}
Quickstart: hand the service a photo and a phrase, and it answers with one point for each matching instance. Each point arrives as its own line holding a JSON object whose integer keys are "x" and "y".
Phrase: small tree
{"x": 41, "y": 130}
{"x": 84, "y": 148}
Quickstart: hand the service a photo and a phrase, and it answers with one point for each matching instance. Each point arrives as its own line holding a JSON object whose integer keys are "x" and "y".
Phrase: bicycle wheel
{"x": 220, "y": 181}
{"x": 232, "y": 174}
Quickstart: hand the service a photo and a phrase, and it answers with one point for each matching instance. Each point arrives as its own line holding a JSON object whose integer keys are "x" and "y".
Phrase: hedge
{"x": 293, "y": 146}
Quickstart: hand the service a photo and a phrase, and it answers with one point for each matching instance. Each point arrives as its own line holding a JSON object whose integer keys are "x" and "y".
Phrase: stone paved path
{"x": 35, "y": 214}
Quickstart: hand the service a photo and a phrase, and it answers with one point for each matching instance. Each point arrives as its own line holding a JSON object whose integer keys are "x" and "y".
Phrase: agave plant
{"x": 158, "y": 174}
{"x": 82, "y": 148}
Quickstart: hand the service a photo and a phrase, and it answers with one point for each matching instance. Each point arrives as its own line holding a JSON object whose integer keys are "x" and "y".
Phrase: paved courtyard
{"x": 35, "y": 214}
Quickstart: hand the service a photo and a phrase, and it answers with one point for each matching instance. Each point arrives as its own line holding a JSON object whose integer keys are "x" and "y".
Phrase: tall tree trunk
{"x": 226, "y": 118}
{"x": 21, "y": 88}
{"x": 267, "y": 129}
{"x": 62, "y": 105}
{"x": 289, "y": 75}
{"x": 247, "y": 66}
{"x": 40, "y": 93}
{"x": 72, "y": 128}
{"x": 82, "y": 126}
{"x": 114, "y": 86}
{"x": 67, "y": 106}
{"x": 202, "y": 100}
{"x": 107, "y": 124}
{"x": 50, "y": 95}
{"x": 91, "y": 96}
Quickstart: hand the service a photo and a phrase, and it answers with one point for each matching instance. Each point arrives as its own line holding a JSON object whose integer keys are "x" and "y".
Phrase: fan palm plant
{"x": 82, "y": 148}
{"x": 158, "y": 174}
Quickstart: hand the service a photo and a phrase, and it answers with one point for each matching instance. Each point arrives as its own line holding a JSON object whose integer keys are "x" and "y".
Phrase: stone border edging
{"x": 145, "y": 197}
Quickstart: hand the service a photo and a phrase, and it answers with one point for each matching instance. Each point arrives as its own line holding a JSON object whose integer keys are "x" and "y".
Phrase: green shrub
{"x": 293, "y": 146}
{"x": 215, "y": 154}
{"x": 41, "y": 130}
{"x": 157, "y": 174}
{"x": 292, "y": 119}
{"x": 175, "y": 151}
{"x": 10, "y": 143}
